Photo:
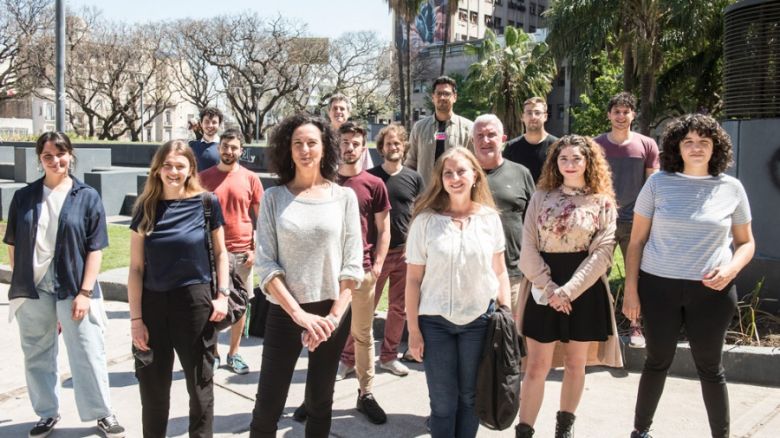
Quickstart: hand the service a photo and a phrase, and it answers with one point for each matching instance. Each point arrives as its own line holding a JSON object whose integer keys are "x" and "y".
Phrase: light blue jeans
{"x": 86, "y": 354}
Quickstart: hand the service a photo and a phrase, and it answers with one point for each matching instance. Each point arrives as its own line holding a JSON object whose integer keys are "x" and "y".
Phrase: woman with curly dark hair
{"x": 309, "y": 260}
{"x": 565, "y": 309}
{"x": 680, "y": 268}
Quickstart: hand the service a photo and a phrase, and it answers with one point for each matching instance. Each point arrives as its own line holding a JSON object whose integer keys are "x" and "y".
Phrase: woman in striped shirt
{"x": 680, "y": 269}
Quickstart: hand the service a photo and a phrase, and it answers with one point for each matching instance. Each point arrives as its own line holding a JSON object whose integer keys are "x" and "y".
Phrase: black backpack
{"x": 498, "y": 375}
{"x": 258, "y": 311}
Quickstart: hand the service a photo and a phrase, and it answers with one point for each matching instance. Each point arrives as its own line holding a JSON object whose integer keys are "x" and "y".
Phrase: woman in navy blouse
{"x": 56, "y": 233}
{"x": 169, "y": 289}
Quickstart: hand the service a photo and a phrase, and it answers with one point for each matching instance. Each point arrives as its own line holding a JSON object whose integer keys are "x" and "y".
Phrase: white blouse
{"x": 459, "y": 280}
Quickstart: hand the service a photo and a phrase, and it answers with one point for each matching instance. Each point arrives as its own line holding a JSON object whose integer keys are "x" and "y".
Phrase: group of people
{"x": 457, "y": 219}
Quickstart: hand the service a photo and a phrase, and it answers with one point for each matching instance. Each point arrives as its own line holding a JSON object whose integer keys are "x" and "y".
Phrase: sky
{"x": 319, "y": 15}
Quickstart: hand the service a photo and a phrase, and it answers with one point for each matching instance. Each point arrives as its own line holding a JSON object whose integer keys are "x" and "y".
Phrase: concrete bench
{"x": 7, "y": 190}
{"x": 114, "y": 187}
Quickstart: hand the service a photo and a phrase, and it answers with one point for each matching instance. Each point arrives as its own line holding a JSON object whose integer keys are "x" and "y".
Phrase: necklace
{"x": 171, "y": 207}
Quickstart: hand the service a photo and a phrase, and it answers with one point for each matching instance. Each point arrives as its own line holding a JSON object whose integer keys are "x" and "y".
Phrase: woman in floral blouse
{"x": 568, "y": 240}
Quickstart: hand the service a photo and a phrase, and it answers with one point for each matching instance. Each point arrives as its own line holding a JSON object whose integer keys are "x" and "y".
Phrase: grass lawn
{"x": 116, "y": 255}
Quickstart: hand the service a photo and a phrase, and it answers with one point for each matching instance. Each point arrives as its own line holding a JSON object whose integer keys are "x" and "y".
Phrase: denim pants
{"x": 86, "y": 355}
{"x": 451, "y": 357}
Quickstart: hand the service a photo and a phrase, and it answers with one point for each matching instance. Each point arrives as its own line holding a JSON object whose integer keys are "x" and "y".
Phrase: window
{"x": 497, "y": 2}
{"x": 489, "y": 20}
{"x": 540, "y": 10}
{"x": 562, "y": 77}
{"x": 510, "y": 23}
{"x": 560, "y": 111}
{"x": 532, "y": 9}
{"x": 497, "y": 22}
{"x": 463, "y": 15}
{"x": 531, "y": 29}
{"x": 168, "y": 117}
{"x": 473, "y": 17}
{"x": 464, "y": 38}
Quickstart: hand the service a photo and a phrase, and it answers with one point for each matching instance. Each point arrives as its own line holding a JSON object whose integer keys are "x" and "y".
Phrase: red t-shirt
{"x": 372, "y": 198}
{"x": 237, "y": 192}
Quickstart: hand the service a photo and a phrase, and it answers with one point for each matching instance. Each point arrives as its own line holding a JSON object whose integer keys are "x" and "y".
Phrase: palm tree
{"x": 642, "y": 31}
{"x": 405, "y": 10}
{"x": 507, "y": 75}
{"x": 450, "y": 9}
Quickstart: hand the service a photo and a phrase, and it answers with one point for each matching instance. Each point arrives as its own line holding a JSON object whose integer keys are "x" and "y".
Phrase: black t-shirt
{"x": 512, "y": 187}
{"x": 402, "y": 188}
{"x": 529, "y": 155}
{"x": 441, "y": 131}
{"x": 176, "y": 252}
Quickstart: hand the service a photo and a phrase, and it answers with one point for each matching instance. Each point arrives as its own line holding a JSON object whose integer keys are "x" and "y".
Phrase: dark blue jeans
{"x": 452, "y": 356}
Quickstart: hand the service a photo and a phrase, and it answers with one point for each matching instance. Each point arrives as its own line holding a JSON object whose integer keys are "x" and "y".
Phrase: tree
{"x": 194, "y": 78}
{"x": 21, "y": 22}
{"x": 641, "y": 31}
{"x": 405, "y": 11}
{"x": 590, "y": 116}
{"x": 506, "y": 75}
{"x": 450, "y": 10}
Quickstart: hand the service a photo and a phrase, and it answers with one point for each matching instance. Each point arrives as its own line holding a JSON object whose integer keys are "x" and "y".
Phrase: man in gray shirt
{"x": 512, "y": 187}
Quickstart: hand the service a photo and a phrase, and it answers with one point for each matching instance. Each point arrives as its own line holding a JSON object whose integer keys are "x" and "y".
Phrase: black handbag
{"x": 239, "y": 297}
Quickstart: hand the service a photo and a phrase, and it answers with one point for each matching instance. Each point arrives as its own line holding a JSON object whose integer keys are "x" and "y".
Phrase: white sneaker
{"x": 395, "y": 366}
{"x": 344, "y": 371}
{"x": 636, "y": 339}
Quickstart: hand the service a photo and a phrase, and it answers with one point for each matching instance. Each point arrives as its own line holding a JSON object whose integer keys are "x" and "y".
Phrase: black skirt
{"x": 589, "y": 319}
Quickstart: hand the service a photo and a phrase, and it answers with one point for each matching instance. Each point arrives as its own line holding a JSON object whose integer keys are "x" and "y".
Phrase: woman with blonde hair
{"x": 568, "y": 240}
{"x": 169, "y": 288}
{"x": 456, "y": 276}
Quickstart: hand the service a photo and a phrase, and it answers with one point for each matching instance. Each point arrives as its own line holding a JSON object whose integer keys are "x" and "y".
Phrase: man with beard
{"x": 239, "y": 192}
{"x": 206, "y": 149}
{"x": 632, "y": 158}
{"x": 339, "y": 110}
{"x": 403, "y": 186}
{"x": 512, "y": 187}
{"x": 530, "y": 149}
{"x": 434, "y": 134}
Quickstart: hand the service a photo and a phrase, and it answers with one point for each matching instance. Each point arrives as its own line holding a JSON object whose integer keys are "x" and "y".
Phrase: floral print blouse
{"x": 569, "y": 218}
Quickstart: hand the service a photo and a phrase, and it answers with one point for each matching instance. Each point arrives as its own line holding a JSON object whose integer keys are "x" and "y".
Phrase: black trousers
{"x": 281, "y": 348}
{"x": 178, "y": 320}
{"x": 705, "y": 314}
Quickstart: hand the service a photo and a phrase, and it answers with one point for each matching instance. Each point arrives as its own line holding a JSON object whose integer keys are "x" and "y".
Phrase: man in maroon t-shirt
{"x": 239, "y": 191}
{"x": 632, "y": 158}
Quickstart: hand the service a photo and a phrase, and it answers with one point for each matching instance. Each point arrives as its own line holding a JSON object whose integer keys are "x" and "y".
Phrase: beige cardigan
{"x": 593, "y": 268}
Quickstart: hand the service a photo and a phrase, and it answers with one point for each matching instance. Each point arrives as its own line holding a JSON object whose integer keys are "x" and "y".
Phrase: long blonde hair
{"x": 437, "y": 199}
{"x": 146, "y": 204}
{"x": 598, "y": 177}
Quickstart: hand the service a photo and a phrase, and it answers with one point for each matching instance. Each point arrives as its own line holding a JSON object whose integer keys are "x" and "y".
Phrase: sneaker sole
{"x": 393, "y": 372}
{"x": 369, "y": 418}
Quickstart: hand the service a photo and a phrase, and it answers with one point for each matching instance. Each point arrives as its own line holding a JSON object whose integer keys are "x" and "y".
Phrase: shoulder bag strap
{"x": 206, "y": 201}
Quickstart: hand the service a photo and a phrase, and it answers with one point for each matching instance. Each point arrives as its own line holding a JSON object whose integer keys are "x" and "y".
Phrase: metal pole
{"x": 59, "y": 98}
{"x": 141, "y": 84}
{"x": 257, "y": 125}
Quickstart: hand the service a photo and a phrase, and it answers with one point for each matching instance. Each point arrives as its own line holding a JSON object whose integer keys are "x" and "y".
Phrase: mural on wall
{"x": 427, "y": 28}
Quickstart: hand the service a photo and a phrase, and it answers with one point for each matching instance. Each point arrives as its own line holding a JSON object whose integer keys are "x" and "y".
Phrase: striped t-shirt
{"x": 692, "y": 219}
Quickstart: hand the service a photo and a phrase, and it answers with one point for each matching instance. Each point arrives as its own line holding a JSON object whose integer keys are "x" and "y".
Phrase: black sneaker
{"x": 368, "y": 406}
{"x": 43, "y": 427}
{"x": 300, "y": 413}
{"x": 110, "y": 427}
{"x": 637, "y": 434}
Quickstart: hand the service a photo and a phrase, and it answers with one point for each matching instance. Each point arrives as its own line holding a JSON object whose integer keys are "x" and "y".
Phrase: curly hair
{"x": 210, "y": 112}
{"x": 437, "y": 199}
{"x": 395, "y": 128}
{"x": 624, "y": 98}
{"x": 280, "y": 142}
{"x": 705, "y": 126}
{"x": 598, "y": 176}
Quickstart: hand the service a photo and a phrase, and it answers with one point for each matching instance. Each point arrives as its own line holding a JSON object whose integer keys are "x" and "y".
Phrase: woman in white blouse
{"x": 455, "y": 278}
{"x": 568, "y": 240}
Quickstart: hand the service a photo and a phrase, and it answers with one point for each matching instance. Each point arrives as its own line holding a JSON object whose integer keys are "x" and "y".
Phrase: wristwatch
{"x": 224, "y": 291}
{"x": 86, "y": 292}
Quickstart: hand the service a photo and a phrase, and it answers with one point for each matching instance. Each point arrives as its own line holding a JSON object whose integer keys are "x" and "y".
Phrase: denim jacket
{"x": 81, "y": 230}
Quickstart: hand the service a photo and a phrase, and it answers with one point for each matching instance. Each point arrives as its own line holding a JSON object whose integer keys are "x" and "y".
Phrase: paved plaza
{"x": 606, "y": 409}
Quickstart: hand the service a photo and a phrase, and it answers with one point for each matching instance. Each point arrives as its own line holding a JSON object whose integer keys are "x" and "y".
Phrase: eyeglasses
{"x": 443, "y": 94}
{"x": 534, "y": 113}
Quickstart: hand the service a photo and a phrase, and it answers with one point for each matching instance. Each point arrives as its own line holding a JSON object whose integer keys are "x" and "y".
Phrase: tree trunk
{"x": 409, "y": 111}
{"x": 628, "y": 69}
{"x": 647, "y": 102}
{"x": 401, "y": 84}
{"x": 446, "y": 40}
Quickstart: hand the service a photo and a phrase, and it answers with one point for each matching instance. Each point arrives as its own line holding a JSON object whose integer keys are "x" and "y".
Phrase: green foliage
{"x": 590, "y": 117}
{"x": 507, "y": 74}
{"x": 751, "y": 319}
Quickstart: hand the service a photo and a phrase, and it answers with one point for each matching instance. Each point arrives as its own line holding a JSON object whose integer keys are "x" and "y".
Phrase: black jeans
{"x": 178, "y": 320}
{"x": 281, "y": 348}
{"x": 667, "y": 305}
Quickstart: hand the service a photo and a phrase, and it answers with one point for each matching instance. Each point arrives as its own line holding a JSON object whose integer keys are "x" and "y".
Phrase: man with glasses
{"x": 530, "y": 149}
{"x": 434, "y": 134}
{"x": 239, "y": 192}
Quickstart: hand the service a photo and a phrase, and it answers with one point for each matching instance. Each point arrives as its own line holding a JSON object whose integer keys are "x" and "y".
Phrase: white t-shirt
{"x": 459, "y": 280}
{"x": 46, "y": 236}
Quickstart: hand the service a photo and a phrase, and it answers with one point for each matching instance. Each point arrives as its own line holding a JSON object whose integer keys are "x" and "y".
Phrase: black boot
{"x": 523, "y": 430}
{"x": 564, "y": 421}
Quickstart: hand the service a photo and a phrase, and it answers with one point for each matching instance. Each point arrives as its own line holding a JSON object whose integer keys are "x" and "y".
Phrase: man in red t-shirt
{"x": 239, "y": 192}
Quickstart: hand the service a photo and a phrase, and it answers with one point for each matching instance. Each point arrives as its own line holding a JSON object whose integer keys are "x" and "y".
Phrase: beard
{"x": 228, "y": 160}
{"x": 351, "y": 160}
{"x": 394, "y": 157}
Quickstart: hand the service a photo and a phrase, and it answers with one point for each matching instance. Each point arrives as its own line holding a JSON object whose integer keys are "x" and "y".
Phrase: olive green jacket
{"x": 422, "y": 142}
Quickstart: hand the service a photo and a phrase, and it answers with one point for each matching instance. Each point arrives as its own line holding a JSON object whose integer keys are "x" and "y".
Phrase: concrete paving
{"x": 606, "y": 409}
